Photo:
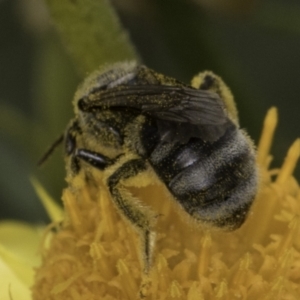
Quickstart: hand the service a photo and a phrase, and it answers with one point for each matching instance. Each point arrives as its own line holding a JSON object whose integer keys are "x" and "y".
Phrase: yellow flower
{"x": 95, "y": 254}
{"x": 18, "y": 256}
{"x": 19, "y": 247}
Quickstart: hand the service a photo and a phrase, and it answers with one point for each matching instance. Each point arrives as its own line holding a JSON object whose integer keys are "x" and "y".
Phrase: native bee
{"x": 130, "y": 119}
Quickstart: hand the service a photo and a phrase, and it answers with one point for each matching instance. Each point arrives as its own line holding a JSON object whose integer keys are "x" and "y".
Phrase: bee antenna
{"x": 54, "y": 145}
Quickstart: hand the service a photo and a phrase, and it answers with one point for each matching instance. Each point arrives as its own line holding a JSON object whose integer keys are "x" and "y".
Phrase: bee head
{"x": 105, "y": 78}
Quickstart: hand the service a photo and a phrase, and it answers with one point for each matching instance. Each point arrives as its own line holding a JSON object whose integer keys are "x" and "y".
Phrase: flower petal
{"x": 19, "y": 243}
{"x": 54, "y": 211}
{"x": 11, "y": 286}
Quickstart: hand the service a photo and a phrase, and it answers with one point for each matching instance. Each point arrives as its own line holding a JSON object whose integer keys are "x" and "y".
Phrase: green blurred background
{"x": 253, "y": 45}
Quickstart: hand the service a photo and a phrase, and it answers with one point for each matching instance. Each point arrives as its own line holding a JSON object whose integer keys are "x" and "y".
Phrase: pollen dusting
{"x": 95, "y": 254}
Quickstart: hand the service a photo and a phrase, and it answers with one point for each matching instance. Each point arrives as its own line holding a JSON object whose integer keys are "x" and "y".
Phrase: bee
{"x": 130, "y": 120}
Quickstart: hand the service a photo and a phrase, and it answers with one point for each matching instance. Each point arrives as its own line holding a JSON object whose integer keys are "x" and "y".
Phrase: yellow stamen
{"x": 266, "y": 139}
{"x": 290, "y": 163}
{"x": 222, "y": 291}
{"x": 130, "y": 287}
{"x": 204, "y": 255}
{"x": 73, "y": 211}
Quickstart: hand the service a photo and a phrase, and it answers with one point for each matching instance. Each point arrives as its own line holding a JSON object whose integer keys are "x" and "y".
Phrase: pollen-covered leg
{"x": 130, "y": 207}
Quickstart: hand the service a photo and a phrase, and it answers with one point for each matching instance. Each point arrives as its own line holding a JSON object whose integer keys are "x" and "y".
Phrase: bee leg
{"x": 130, "y": 207}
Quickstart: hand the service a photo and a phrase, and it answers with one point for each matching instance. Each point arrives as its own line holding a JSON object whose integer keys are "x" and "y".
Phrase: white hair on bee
{"x": 106, "y": 77}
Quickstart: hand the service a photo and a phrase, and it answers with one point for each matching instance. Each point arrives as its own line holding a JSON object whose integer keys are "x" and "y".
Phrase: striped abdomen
{"x": 214, "y": 182}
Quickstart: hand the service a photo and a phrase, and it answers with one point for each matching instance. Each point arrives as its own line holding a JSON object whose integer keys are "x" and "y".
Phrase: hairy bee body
{"x": 213, "y": 182}
{"x": 130, "y": 119}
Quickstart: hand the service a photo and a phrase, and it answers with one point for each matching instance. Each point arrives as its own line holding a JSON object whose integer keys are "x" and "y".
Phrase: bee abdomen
{"x": 214, "y": 183}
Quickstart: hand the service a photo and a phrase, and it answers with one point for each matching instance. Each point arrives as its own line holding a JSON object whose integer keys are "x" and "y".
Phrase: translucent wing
{"x": 181, "y": 112}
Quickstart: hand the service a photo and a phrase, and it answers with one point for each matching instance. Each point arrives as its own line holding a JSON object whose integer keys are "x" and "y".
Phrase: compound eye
{"x": 70, "y": 144}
